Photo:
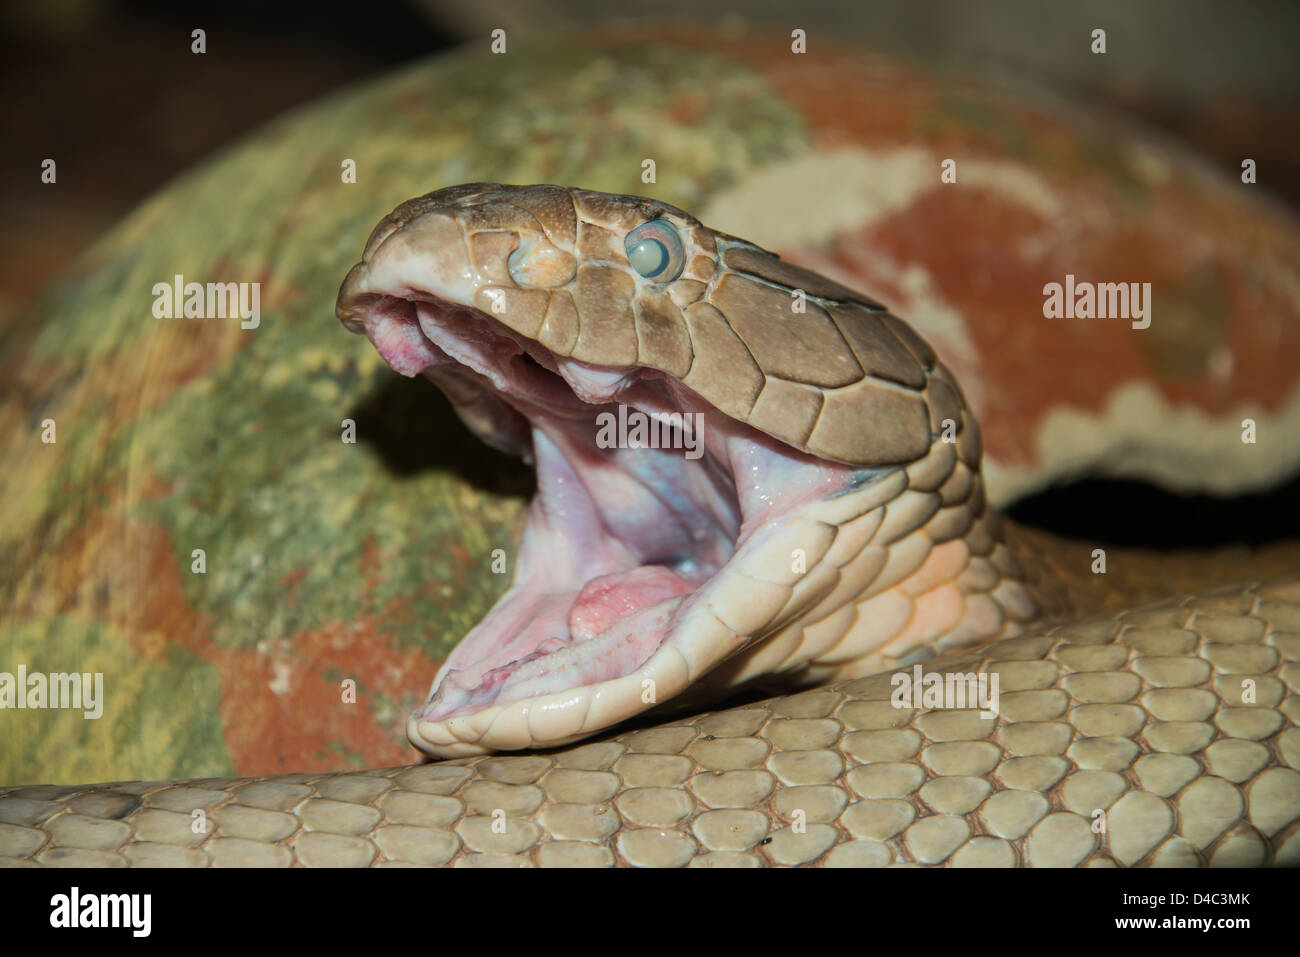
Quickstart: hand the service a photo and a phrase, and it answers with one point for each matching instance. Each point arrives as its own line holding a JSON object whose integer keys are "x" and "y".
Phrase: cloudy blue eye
{"x": 655, "y": 250}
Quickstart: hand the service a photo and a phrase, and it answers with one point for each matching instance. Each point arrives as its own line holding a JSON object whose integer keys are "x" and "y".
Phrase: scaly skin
{"x": 1137, "y": 714}
{"x": 1164, "y": 735}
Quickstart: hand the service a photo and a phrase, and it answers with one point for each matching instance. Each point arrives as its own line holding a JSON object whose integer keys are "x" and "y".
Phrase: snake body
{"x": 833, "y": 534}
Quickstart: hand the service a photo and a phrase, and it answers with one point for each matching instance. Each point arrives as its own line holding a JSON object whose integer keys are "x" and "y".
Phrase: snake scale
{"x": 817, "y": 526}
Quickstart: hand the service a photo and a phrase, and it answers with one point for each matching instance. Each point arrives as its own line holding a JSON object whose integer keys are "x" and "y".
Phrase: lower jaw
{"x": 646, "y": 659}
{"x": 558, "y": 664}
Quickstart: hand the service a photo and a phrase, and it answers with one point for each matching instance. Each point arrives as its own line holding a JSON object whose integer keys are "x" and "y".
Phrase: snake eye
{"x": 655, "y": 250}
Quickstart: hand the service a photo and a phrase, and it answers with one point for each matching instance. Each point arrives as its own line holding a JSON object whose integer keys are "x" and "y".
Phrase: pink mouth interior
{"x": 619, "y": 541}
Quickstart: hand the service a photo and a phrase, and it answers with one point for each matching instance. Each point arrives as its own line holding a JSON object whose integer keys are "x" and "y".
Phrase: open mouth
{"x": 661, "y": 540}
{"x": 617, "y": 538}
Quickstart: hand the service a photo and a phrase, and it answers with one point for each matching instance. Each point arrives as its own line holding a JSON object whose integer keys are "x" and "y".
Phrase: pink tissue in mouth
{"x": 610, "y": 598}
{"x": 398, "y": 339}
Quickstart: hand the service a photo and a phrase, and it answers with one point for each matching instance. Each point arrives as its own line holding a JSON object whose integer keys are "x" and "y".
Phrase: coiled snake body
{"x": 813, "y": 517}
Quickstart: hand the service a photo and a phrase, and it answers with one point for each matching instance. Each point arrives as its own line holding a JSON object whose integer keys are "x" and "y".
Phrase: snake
{"x": 759, "y": 487}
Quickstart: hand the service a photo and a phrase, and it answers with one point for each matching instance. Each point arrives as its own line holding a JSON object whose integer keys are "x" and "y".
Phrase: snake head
{"x": 705, "y": 420}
